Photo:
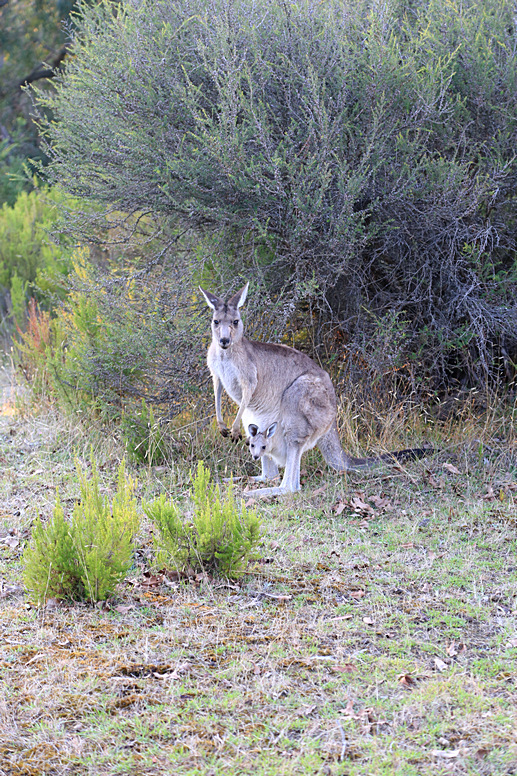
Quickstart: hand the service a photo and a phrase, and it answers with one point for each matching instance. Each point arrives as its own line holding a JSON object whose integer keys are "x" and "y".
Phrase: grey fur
{"x": 275, "y": 384}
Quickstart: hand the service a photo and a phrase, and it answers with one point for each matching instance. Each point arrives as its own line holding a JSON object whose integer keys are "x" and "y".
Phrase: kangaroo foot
{"x": 275, "y": 491}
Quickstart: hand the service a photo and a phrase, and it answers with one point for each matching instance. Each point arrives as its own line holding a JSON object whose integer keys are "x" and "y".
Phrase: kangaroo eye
{"x": 236, "y": 323}
{"x": 263, "y": 447}
{"x": 216, "y": 323}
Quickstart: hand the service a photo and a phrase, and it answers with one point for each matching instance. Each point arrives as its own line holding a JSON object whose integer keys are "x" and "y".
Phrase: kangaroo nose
{"x": 224, "y": 341}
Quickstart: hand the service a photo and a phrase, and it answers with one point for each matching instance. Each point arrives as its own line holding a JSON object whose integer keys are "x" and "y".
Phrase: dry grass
{"x": 374, "y": 633}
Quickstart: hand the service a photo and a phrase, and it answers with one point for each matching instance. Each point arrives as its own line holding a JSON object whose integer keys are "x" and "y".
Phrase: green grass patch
{"x": 353, "y": 643}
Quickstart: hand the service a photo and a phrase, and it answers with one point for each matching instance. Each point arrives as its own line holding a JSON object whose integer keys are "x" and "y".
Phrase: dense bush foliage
{"x": 359, "y": 158}
{"x": 33, "y": 42}
{"x": 33, "y": 261}
{"x": 12, "y": 173}
{"x": 114, "y": 343}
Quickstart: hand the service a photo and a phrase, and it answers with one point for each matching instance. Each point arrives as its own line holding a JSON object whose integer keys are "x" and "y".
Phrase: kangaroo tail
{"x": 333, "y": 453}
{"x": 335, "y": 456}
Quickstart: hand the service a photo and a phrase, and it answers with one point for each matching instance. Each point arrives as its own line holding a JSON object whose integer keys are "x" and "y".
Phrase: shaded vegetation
{"x": 33, "y": 44}
{"x": 357, "y": 160}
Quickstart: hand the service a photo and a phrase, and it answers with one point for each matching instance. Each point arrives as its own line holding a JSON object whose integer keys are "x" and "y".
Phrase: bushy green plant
{"x": 218, "y": 537}
{"x": 30, "y": 260}
{"x": 143, "y": 436}
{"x": 117, "y": 348}
{"x": 86, "y": 557}
{"x": 40, "y": 352}
{"x": 358, "y": 157}
{"x": 103, "y": 534}
{"x": 12, "y": 178}
{"x": 50, "y": 560}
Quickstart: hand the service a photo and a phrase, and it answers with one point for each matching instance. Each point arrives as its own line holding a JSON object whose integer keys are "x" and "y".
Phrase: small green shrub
{"x": 103, "y": 534}
{"x": 143, "y": 436}
{"x": 218, "y": 538}
{"x": 86, "y": 557}
{"x": 41, "y": 352}
{"x": 51, "y": 560}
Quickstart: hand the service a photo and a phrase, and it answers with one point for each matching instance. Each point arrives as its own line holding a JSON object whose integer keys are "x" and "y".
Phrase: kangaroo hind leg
{"x": 269, "y": 470}
{"x": 291, "y": 479}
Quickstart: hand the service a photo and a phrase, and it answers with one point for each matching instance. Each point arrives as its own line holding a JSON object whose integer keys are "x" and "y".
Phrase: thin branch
{"x": 50, "y": 72}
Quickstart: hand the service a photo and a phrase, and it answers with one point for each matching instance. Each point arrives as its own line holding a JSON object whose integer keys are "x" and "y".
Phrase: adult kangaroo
{"x": 276, "y": 387}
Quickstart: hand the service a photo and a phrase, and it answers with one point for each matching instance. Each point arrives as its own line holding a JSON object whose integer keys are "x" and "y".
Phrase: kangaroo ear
{"x": 239, "y": 298}
{"x": 271, "y": 430}
{"x": 212, "y": 300}
{"x": 252, "y": 429}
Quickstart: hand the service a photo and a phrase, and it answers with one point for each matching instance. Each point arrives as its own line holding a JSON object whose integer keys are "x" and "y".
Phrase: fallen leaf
{"x": 381, "y": 502}
{"x": 339, "y": 507}
{"x": 451, "y": 468}
{"x": 153, "y": 581}
{"x": 358, "y": 505}
{"x": 306, "y": 710}
{"x": 448, "y": 754}
{"x": 406, "y": 680}
{"x": 319, "y": 491}
{"x": 481, "y": 753}
{"x": 357, "y": 593}
{"x": 451, "y": 650}
{"x": 348, "y": 711}
{"x": 11, "y": 541}
{"x": 7, "y": 590}
{"x": 440, "y": 664}
{"x": 346, "y": 668}
{"x": 123, "y": 608}
{"x": 276, "y": 597}
{"x": 368, "y": 621}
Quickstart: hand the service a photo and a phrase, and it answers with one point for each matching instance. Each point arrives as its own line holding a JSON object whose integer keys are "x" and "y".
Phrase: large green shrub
{"x": 360, "y": 157}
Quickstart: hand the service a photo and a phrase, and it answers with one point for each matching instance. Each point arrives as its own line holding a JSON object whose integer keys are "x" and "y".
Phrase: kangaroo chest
{"x": 230, "y": 376}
